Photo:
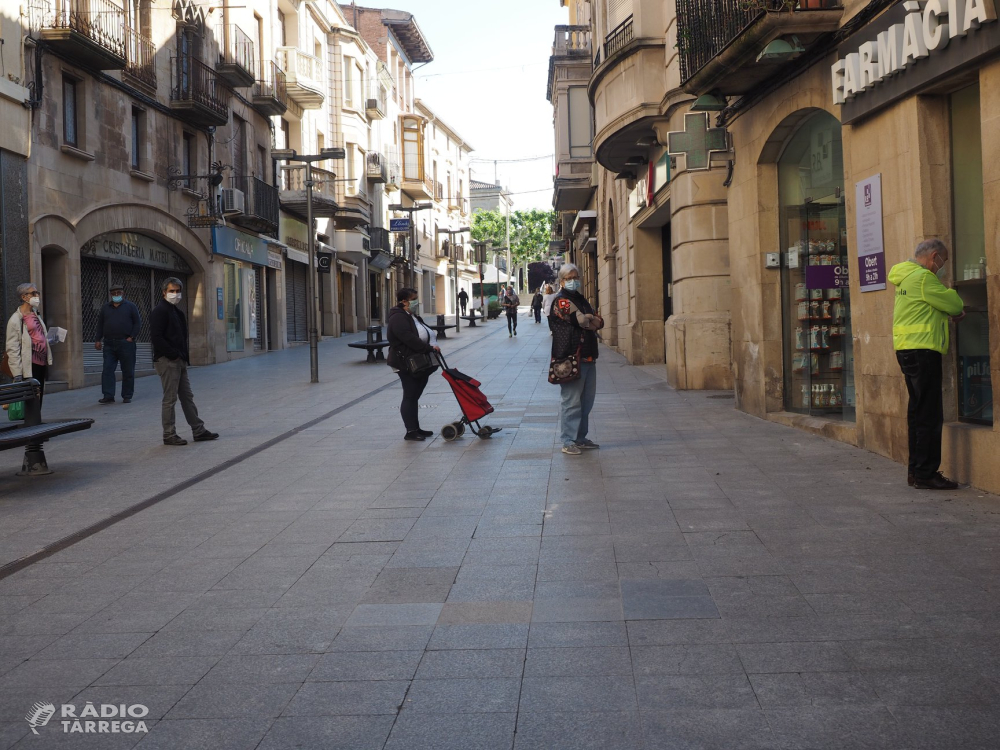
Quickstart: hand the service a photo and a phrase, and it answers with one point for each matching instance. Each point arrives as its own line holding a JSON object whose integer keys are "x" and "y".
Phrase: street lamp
{"x": 451, "y": 243}
{"x": 288, "y": 154}
{"x": 413, "y": 233}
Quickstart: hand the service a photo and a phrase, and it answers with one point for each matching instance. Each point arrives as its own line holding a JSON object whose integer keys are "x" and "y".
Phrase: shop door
{"x": 258, "y": 342}
{"x": 295, "y": 301}
{"x": 819, "y": 350}
{"x": 142, "y": 288}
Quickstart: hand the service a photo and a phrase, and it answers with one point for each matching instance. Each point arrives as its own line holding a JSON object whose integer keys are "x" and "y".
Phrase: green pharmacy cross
{"x": 697, "y": 141}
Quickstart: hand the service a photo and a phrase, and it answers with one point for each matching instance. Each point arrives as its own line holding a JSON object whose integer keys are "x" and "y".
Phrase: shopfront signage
{"x": 137, "y": 249}
{"x": 399, "y": 225}
{"x": 274, "y": 260}
{"x": 697, "y": 142}
{"x": 910, "y": 47}
{"x": 827, "y": 277}
{"x": 324, "y": 261}
{"x": 239, "y": 245}
{"x": 871, "y": 248}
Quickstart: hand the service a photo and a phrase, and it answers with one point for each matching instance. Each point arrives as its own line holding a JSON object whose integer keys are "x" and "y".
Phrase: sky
{"x": 488, "y": 81}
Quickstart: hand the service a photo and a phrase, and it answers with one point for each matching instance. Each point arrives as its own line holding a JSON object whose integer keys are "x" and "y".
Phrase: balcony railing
{"x": 304, "y": 75}
{"x": 376, "y": 168}
{"x": 270, "y": 95}
{"x": 706, "y": 27}
{"x": 438, "y": 191}
{"x": 197, "y": 88}
{"x": 381, "y": 239}
{"x": 571, "y": 40}
{"x": 260, "y": 203}
{"x": 293, "y": 179}
{"x": 236, "y": 63}
{"x": 615, "y": 41}
{"x": 141, "y": 63}
{"x": 376, "y": 105}
{"x": 93, "y": 31}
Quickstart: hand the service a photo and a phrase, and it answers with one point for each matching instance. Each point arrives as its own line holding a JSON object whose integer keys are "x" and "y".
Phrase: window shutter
{"x": 618, "y": 11}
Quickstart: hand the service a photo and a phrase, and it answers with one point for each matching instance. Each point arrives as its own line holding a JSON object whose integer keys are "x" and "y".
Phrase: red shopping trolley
{"x": 471, "y": 400}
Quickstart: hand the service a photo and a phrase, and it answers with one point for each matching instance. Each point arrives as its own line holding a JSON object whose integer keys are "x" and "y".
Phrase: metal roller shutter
{"x": 258, "y": 342}
{"x": 295, "y": 301}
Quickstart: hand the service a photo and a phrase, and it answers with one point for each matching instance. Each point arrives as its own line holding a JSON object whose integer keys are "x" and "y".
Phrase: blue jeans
{"x": 118, "y": 351}
{"x": 577, "y": 401}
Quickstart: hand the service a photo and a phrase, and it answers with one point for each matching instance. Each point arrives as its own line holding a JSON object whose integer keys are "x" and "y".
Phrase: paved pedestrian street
{"x": 704, "y": 580}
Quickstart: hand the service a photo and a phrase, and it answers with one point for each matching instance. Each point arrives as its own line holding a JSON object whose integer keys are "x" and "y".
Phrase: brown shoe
{"x": 937, "y": 482}
{"x": 910, "y": 478}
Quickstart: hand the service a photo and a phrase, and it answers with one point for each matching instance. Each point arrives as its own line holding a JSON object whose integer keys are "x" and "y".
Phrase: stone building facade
{"x": 849, "y": 151}
{"x": 653, "y": 229}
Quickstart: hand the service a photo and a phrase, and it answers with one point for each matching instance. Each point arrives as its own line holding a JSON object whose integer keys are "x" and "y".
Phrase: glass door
{"x": 819, "y": 351}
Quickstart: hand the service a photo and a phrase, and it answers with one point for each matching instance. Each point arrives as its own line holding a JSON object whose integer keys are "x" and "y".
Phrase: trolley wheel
{"x": 485, "y": 433}
{"x": 460, "y": 426}
{"x": 449, "y": 433}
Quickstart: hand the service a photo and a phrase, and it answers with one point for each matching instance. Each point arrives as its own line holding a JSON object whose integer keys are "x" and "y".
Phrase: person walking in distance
{"x": 536, "y": 305}
{"x": 920, "y": 337}
{"x": 463, "y": 300}
{"x": 118, "y": 326}
{"x": 548, "y": 298}
{"x": 510, "y": 303}
{"x": 408, "y": 335}
{"x": 575, "y": 326}
{"x": 169, "y": 332}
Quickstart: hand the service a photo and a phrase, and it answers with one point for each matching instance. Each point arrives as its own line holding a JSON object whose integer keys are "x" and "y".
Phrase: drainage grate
{"x": 722, "y": 395}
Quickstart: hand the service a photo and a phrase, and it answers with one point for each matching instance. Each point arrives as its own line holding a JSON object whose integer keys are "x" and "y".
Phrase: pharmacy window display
{"x": 816, "y": 320}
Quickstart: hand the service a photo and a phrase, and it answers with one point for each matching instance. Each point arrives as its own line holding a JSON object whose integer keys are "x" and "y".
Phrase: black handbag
{"x": 421, "y": 365}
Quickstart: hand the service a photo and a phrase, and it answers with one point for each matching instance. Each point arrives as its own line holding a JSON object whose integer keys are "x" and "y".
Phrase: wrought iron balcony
{"x": 616, "y": 41}
{"x": 438, "y": 191}
{"x": 270, "y": 95}
{"x": 260, "y": 202}
{"x": 141, "y": 63}
{"x": 720, "y": 40}
{"x": 376, "y": 168}
{"x": 92, "y": 32}
{"x": 293, "y": 190}
{"x": 236, "y": 63}
{"x": 304, "y": 76}
{"x": 376, "y": 105}
{"x": 394, "y": 172}
{"x": 198, "y": 92}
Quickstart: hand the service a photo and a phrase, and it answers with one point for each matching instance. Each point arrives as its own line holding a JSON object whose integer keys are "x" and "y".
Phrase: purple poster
{"x": 871, "y": 250}
{"x": 826, "y": 277}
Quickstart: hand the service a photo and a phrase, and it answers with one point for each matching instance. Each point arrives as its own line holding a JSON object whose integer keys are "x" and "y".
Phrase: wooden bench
{"x": 32, "y": 431}
{"x": 374, "y": 349}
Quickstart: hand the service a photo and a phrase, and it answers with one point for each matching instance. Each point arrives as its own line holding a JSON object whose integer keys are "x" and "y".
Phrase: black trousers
{"x": 463, "y": 303}
{"x": 925, "y": 411}
{"x": 512, "y": 321}
{"x": 40, "y": 373}
{"x": 409, "y": 409}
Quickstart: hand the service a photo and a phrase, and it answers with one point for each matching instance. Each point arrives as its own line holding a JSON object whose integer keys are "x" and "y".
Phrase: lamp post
{"x": 289, "y": 154}
{"x": 454, "y": 259}
{"x": 413, "y": 233}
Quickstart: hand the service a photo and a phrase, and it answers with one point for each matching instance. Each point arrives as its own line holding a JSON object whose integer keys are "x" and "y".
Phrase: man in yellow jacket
{"x": 920, "y": 338}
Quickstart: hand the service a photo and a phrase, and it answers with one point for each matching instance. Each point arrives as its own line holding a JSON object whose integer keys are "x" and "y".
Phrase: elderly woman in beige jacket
{"x": 27, "y": 345}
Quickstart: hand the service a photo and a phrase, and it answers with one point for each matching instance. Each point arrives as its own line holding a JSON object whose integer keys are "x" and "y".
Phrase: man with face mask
{"x": 920, "y": 338}
{"x": 117, "y": 330}
{"x": 169, "y": 333}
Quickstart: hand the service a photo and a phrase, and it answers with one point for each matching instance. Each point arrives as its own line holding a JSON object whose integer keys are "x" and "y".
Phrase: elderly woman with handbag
{"x": 27, "y": 353}
{"x": 574, "y": 359}
{"x": 409, "y": 347}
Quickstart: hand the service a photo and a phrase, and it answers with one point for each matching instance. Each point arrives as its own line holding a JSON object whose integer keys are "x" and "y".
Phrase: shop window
{"x": 972, "y": 333}
{"x": 816, "y": 320}
{"x": 233, "y": 304}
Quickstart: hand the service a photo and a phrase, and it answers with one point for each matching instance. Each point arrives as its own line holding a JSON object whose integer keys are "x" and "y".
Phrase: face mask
{"x": 34, "y": 301}
{"x": 173, "y": 297}
{"x": 117, "y": 298}
{"x": 572, "y": 285}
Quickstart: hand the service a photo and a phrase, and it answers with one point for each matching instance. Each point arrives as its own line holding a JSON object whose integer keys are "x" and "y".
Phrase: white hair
{"x": 566, "y": 269}
{"x": 23, "y": 289}
{"x": 930, "y": 246}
